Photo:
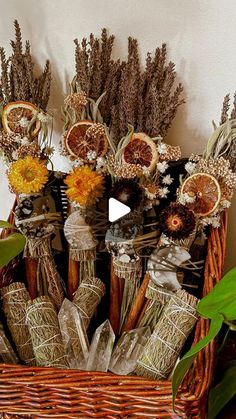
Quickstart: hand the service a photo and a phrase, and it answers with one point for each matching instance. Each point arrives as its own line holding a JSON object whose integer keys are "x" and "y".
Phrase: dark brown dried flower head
{"x": 128, "y": 192}
{"x": 177, "y": 221}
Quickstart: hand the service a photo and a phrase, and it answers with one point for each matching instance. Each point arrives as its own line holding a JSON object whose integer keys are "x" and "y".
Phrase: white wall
{"x": 201, "y": 39}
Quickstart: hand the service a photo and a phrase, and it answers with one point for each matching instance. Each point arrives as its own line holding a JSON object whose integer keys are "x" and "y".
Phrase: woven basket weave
{"x": 35, "y": 392}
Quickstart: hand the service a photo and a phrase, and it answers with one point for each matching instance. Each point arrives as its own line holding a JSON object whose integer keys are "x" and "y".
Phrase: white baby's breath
{"x": 43, "y": 117}
{"x": 190, "y": 167}
{"x": 162, "y": 166}
{"x": 167, "y": 180}
{"x": 101, "y": 162}
{"x": 91, "y": 155}
{"x": 185, "y": 198}
{"x": 162, "y": 192}
{"x": 162, "y": 148}
{"x": 24, "y": 122}
{"x": 77, "y": 163}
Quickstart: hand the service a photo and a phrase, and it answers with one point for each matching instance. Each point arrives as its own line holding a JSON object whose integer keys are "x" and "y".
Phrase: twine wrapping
{"x": 15, "y": 298}
{"x": 128, "y": 270}
{"x": 7, "y": 354}
{"x": 164, "y": 346}
{"x": 41, "y": 317}
{"x": 40, "y": 249}
{"x": 87, "y": 297}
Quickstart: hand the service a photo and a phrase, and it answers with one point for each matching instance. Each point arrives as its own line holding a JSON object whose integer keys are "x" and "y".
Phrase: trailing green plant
{"x": 10, "y": 246}
{"x": 223, "y": 392}
{"x": 219, "y": 307}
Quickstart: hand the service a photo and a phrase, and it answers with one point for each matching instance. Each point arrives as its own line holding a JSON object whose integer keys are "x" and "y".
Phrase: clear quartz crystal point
{"x": 128, "y": 350}
{"x": 74, "y": 335}
{"x": 101, "y": 348}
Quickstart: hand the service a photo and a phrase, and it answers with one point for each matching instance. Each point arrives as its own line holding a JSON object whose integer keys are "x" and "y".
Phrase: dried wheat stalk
{"x": 17, "y": 76}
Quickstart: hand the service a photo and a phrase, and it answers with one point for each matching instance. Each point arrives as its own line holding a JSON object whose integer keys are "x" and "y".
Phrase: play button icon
{"x": 117, "y": 209}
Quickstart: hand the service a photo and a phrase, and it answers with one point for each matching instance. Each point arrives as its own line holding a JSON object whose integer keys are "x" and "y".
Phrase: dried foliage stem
{"x": 17, "y": 75}
{"x": 147, "y": 99}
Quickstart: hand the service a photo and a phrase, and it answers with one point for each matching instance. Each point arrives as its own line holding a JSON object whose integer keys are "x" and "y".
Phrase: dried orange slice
{"x": 78, "y": 143}
{"x": 205, "y": 190}
{"x": 17, "y": 116}
{"x": 141, "y": 150}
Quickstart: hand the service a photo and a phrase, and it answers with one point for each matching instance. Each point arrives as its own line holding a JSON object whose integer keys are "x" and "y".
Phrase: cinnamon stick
{"x": 114, "y": 310}
{"x": 137, "y": 306}
{"x": 73, "y": 277}
{"x": 31, "y": 266}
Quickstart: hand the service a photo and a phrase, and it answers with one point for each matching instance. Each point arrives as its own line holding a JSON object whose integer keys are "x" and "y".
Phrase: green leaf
{"x": 221, "y": 394}
{"x": 10, "y": 247}
{"x": 5, "y": 224}
{"x": 187, "y": 360}
{"x": 221, "y": 300}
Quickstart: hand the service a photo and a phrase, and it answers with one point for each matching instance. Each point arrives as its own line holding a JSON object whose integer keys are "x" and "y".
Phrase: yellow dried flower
{"x": 27, "y": 175}
{"x": 84, "y": 186}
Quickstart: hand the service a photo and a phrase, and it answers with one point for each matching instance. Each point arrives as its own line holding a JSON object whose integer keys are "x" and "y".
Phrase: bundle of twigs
{"x": 17, "y": 75}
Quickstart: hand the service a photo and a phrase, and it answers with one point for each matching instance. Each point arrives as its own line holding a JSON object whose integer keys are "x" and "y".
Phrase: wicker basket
{"x": 53, "y": 393}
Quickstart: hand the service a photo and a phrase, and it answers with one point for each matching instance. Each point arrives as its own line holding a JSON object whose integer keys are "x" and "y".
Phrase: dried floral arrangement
{"x": 116, "y": 116}
{"x": 24, "y": 99}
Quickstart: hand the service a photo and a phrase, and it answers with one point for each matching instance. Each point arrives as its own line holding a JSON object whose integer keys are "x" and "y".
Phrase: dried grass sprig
{"x": 17, "y": 76}
{"x": 145, "y": 99}
{"x": 225, "y": 109}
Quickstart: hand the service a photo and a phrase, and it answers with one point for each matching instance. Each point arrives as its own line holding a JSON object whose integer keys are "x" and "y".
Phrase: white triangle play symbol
{"x": 117, "y": 209}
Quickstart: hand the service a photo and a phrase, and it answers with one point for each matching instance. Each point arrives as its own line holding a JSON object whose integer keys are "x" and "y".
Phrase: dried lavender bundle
{"x": 45, "y": 333}
{"x": 17, "y": 75}
{"x": 93, "y": 63}
{"x": 15, "y": 298}
{"x": 148, "y": 100}
{"x": 225, "y": 109}
{"x": 87, "y": 297}
{"x": 7, "y": 354}
{"x": 164, "y": 346}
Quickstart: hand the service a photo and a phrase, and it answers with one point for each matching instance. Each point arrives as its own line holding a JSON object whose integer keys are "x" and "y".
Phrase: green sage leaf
{"x": 10, "y": 247}
{"x": 5, "y": 224}
{"x": 221, "y": 300}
